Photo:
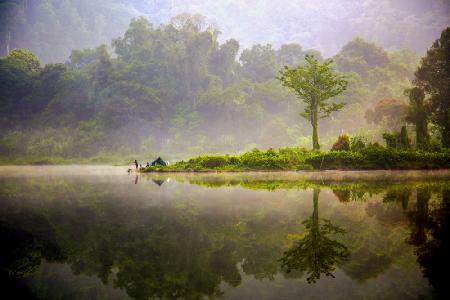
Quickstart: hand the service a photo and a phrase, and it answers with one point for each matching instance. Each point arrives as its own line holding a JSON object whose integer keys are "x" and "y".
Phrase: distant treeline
{"x": 176, "y": 89}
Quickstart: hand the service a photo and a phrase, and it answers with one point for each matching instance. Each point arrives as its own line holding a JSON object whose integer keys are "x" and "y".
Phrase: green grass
{"x": 371, "y": 158}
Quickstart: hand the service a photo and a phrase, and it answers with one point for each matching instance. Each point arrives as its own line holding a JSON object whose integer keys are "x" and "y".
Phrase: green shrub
{"x": 342, "y": 144}
{"x": 269, "y": 159}
{"x": 391, "y": 139}
{"x": 397, "y": 140}
{"x": 209, "y": 161}
{"x": 372, "y": 156}
{"x": 335, "y": 160}
{"x": 357, "y": 143}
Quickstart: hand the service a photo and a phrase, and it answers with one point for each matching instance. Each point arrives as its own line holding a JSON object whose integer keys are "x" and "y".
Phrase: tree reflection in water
{"x": 182, "y": 248}
{"x": 430, "y": 234}
{"x": 316, "y": 253}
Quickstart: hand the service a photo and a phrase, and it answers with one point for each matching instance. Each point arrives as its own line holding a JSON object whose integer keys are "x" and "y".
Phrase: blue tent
{"x": 159, "y": 162}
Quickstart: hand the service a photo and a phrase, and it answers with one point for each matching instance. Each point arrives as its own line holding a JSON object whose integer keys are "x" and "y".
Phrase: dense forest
{"x": 178, "y": 89}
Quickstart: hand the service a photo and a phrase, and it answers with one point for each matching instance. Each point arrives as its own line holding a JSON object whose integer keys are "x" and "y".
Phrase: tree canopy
{"x": 315, "y": 84}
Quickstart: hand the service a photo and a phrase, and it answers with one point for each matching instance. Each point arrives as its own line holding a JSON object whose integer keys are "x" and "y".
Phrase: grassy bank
{"x": 370, "y": 158}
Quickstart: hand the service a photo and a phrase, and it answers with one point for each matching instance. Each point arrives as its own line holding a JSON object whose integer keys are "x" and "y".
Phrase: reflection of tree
{"x": 26, "y": 239}
{"x": 181, "y": 248}
{"x": 347, "y": 195}
{"x": 400, "y": 195}
{"x": 419, "y": 217}
{"x": 20, "y": 255}
{"x": 316, "y": 253}
{"x": 431, "y": 235}
{"x": 159, "y": 181}
{"x": 342, "y": 195}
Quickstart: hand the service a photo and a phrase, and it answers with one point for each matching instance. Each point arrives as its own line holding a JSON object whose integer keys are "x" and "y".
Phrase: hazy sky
{"x": 321, "y": 24}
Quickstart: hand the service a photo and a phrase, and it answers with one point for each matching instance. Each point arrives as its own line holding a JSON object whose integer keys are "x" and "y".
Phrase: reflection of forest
{"x": 185, "y": 249}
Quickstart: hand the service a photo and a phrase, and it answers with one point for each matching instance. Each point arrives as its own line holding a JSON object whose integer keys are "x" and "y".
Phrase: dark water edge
{"x": 93, "y": 232}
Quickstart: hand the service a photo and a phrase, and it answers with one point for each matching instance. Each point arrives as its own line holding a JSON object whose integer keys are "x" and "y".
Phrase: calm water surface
{"x": 100, "y": 233}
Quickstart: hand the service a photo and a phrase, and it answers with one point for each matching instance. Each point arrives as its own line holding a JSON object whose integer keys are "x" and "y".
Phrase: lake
{"x": 96, "y": 232}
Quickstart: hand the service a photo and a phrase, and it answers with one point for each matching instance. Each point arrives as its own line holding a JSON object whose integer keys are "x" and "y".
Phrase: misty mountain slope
{"x": 52, "y": 28}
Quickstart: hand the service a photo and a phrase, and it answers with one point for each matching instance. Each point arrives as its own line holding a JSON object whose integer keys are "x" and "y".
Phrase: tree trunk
{"x": 8, "y": 42}
{"x": 314, "y": 230}
{"x": 315, "y": 135}
{"x": 446, "y": 136}
{"x": 420, "y": 219}
{"x": 421, "y": 133}
{"x": 315, "y": 215}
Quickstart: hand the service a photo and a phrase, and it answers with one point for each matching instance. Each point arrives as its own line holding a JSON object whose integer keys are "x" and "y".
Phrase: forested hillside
{"x": 53, "y": 28}
{"x": 176, "y": 89}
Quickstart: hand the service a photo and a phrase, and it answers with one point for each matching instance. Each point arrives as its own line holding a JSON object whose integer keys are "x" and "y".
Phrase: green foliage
{"x": 258, "y": 63}
{"x": 418, "y": 114}
{"x": 314, "y": 84}
{"x": 176, "y": 90}
{"x": 404, "y": 139}
{"x": 379, "y": 158}
{"x": 25, "y": 59}
{"x": 391, "y": 139}
{"x": 433, "y": 77}
{"x": 397, "y": 139}
{"x": 370, "y": 157}
{"x": 357, "y": 143}
{"x": 211, "y": 162}
{"x": 372, "y": 55}
{"x": 342, "y": 144}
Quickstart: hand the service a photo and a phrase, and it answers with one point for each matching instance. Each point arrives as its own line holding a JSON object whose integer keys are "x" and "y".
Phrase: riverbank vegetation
{"x": 372, "y": 157}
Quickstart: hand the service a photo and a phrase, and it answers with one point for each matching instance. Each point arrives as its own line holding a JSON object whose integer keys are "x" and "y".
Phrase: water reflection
{"x": 316, "y": 253}
{"x": 90, "y": 237}
{"x": 430, "y": 234}
{"x": 159, "y": 182}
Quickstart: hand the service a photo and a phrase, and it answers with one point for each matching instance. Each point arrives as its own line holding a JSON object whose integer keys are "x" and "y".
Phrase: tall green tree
{"x": 315, "y": 84}
{"x": 433, "y": 75}
{"x": 418, "y": 114}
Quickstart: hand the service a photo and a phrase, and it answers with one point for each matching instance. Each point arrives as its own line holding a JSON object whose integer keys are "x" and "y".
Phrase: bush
{"x": 391, "y": 139}
{"x": 335, "y": 160}
{"x": 357, "y": 143}
{"x": 373, "y": 156}
{"x": 209, "y": 161}
{"x": 397, "y": 140}
{"x": 269, "y": 159}
{"x": 342, "y": 144}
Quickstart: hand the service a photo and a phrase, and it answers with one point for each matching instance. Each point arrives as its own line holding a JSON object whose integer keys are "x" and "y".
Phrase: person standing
{"x": 136, "y": 164}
